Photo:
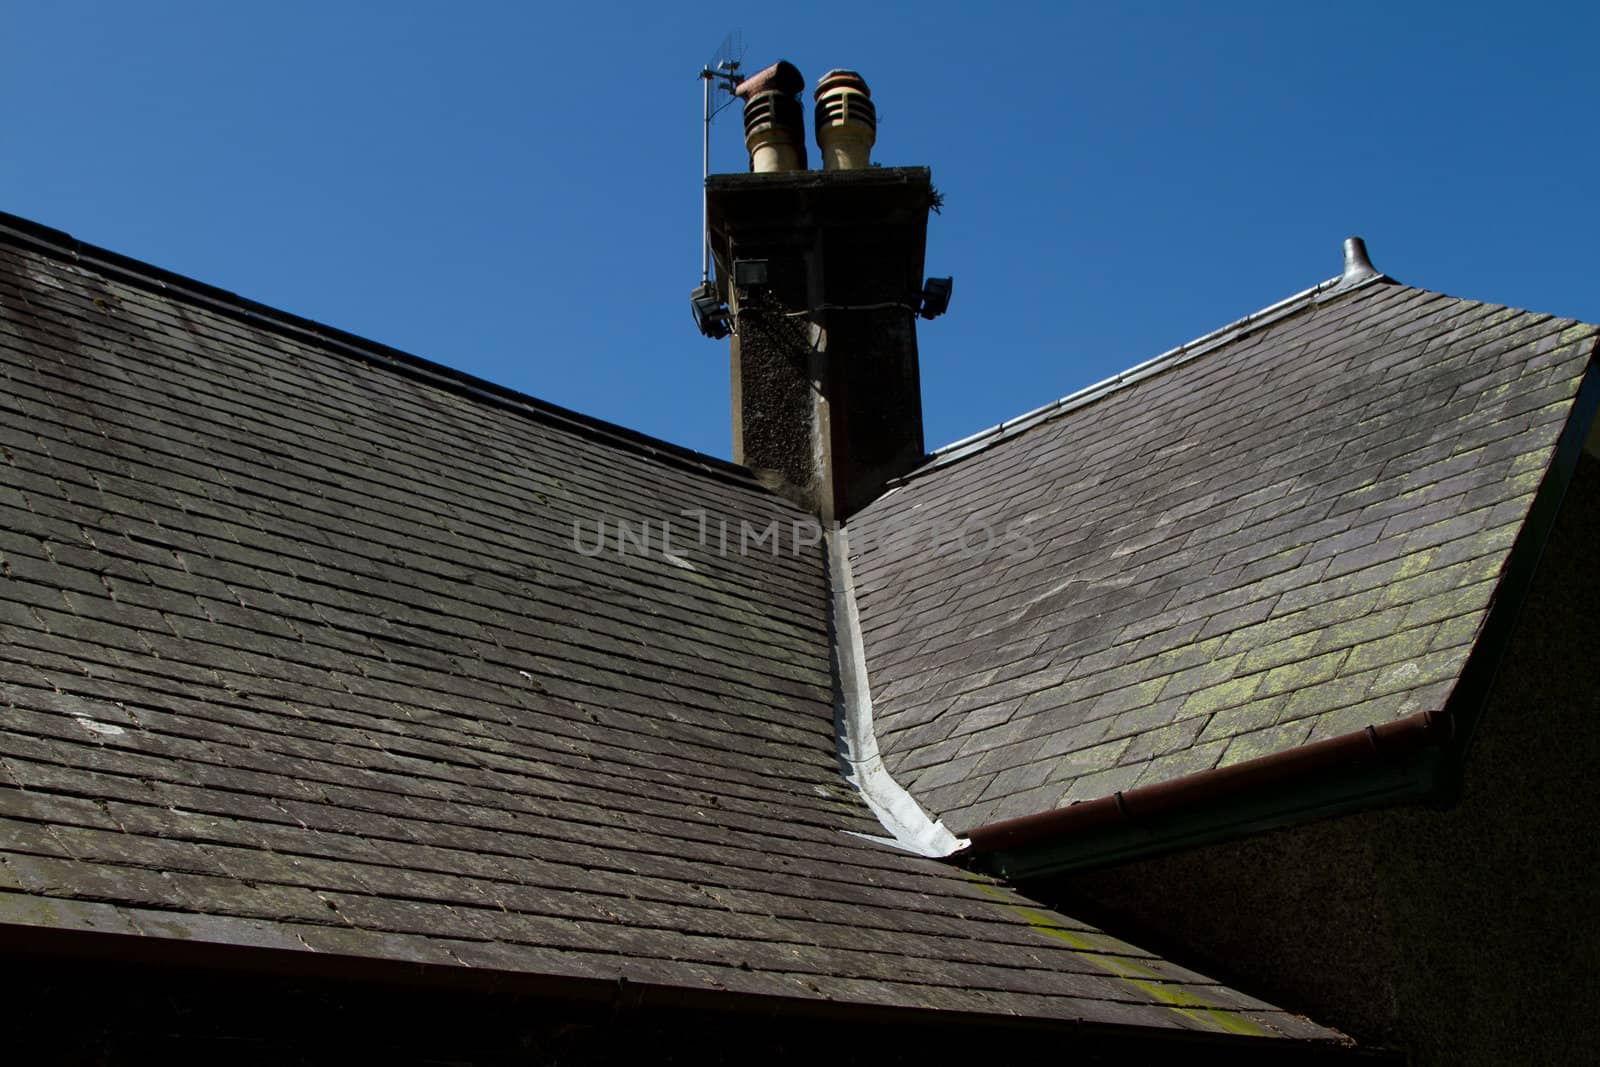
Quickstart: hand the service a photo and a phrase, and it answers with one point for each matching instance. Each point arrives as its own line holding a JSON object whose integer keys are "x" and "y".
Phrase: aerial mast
{"x": 722, "y": 72}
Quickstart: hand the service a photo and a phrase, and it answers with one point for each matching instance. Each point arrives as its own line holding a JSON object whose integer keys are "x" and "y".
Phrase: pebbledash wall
{"x": 1465, "y": 936}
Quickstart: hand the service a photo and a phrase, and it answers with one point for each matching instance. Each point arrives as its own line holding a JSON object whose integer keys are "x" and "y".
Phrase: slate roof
{"x": 298, "y": 651}
{"x": 1285, "y": 534}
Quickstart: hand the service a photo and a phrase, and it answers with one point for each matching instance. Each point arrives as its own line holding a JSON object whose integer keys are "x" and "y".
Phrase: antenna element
{"x": 722, "y": 70}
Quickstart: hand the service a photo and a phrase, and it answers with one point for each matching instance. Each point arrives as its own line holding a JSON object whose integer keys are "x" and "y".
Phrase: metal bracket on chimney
{"x": 710, "y": 313}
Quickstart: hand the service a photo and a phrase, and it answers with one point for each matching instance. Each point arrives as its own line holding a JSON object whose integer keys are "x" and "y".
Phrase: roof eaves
{"x": 1384, "y": 764}
{"x": 173, "y": 960}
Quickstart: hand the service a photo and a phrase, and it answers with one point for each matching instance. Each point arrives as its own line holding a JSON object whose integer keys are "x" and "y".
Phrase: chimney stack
{"x": 822, "y": 275}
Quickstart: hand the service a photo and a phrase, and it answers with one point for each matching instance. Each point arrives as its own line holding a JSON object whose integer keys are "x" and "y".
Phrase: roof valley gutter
{"x": 910, "y": 827}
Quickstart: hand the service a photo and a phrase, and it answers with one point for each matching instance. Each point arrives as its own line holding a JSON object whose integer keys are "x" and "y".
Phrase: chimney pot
{"x": 774, "y": 125}
{"x": 846, "y": 121}
{"x": 782, "y": 77}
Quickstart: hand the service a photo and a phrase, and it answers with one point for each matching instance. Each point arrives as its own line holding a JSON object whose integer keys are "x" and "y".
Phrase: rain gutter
{"x": 1381, "y": 764}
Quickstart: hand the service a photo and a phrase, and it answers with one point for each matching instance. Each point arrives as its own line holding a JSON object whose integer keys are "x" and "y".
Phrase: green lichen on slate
{"x": 1135, "y": 974}
{"x": 1302, "y": 674}
{"x": 1225, "y": 695}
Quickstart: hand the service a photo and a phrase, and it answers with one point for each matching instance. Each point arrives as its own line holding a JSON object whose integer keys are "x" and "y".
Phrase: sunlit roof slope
{"x": 1286, "y": 534}
{"x": 310, "y": 648}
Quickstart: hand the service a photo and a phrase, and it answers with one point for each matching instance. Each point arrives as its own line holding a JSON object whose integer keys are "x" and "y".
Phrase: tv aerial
{"x": 723, "y": 68}
{"x": 718, "y": 78}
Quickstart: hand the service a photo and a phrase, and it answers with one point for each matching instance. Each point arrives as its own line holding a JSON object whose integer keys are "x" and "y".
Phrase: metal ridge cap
{"x": 983, "y": 439}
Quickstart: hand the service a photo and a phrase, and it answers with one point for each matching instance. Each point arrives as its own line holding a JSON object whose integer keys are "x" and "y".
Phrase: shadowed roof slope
{"x": 298, "y": 652}
{"x": 1286, "y": 538}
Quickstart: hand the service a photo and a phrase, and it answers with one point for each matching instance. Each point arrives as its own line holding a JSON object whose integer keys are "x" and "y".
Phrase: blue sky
{"x": 513, "y": 189}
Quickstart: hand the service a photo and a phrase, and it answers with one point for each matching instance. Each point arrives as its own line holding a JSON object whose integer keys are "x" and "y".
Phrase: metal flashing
{"x": 1357, "y": 265}
{"x": 910, "y": 828}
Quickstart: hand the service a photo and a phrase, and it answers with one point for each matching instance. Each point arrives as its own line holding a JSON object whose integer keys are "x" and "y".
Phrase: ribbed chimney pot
{"x": 774, "y": 124}
{"x": 846, "y": 121}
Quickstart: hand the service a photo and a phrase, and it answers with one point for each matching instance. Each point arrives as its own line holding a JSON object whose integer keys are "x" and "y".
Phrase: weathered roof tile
{"x": 300, "y": 651}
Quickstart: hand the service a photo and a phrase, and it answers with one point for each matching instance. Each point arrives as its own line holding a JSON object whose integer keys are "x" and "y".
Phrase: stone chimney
{"x": 821, "y": 272}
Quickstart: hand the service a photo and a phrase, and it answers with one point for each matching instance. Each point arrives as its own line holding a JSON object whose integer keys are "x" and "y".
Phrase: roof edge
{"x": 621, "y": 996}
{"x": 1375, "y": 765}
{"x": 1470, "y": 697}
{"x": 1337, "y": 286}
{"x": 58, "y": 244}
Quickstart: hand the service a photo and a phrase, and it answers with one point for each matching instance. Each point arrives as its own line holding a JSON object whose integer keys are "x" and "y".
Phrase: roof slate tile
{"x": 300, "y": 651}
{"x": 1301, "y": 514}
